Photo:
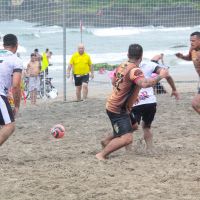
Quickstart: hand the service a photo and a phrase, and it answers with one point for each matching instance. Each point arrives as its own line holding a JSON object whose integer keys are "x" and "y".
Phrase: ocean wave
{"x": 20, "y": 49}
{"x": 125, "y": 31}
{"x": 114, "y": 58}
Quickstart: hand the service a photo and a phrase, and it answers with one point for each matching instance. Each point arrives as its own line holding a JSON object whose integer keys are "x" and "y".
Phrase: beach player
{"x": 128, "y": 80}
{"x": 145, "y": 107}
{"x": 158, "y": 88}
{"x": 81, "y": 66}
{"x": 194, "y": 55}
{"x": 10, "y": 77}
{"x": 33, "y": 72}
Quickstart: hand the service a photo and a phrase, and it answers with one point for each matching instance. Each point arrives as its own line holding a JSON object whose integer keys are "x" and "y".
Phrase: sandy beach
{"x": 36, "y": 166}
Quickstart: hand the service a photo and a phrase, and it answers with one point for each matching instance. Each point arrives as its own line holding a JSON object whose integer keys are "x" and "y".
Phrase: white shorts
{"x": 34, "y": 83}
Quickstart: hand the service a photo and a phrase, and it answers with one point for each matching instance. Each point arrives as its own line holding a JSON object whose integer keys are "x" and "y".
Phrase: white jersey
{"x": 146, "y": 95}
{"x": 9, "y": 63}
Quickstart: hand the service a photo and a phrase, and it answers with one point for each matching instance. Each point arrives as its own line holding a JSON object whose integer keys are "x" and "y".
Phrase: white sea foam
{"x": 125, "y": 31}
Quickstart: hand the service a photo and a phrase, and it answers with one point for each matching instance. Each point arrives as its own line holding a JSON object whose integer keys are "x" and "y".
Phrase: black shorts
{"x": 6, "y": 113}
{"x": 121, "y": 123}
{"x": 146, "y": 112}
{"x": 79, "y": 79}
{"x": 155, "y": 61}
{"x": 198, "y": 90}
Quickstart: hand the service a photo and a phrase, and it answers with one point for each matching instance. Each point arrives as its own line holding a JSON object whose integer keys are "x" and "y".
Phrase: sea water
{"x": 104, "y": 45}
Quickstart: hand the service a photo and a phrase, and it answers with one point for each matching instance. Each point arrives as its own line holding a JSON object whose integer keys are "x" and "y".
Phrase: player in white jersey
{"x": 145, "y": 108}
{"x": 10, "y": 78}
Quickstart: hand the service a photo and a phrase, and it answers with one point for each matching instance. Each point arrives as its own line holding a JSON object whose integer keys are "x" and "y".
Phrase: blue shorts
{"x": 121, "y": 123}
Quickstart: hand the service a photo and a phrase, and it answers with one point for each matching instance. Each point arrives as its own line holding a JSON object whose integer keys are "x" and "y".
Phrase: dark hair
{"x": 33, "y": 55}
{"x": 36, "y": 50}
{"x": 135, "y": 51}
{"x": 197, "y": 33}
{"x": 10, "y": 40}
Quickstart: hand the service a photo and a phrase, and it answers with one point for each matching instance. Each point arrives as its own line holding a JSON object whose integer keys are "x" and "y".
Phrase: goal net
{"x": 106, "y": 27}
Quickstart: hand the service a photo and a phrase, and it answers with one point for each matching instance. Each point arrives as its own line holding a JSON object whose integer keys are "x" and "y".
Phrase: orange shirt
{"x": 125, "y": 91}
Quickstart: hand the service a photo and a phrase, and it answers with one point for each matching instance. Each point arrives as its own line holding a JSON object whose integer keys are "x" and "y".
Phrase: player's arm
{"x": 27, "y": 72}
{"x": 91, "y": 67}
{"x": 162, "y": 58}
{"x": 187, "y": 57}
{"x": 16, "y": 89}
{"x": 92, "y": 70}
{"x": 39, "y": 65}
{"x": 69, "y": 69}
{"x": 143, "y": 82}
{"x": 70, "y": 66}
{"x": 170, "y": 81}
{"x": 173, "y": 86}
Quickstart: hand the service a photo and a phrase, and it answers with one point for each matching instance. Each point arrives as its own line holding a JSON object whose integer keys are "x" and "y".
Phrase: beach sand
{"x": 36, "y": 166}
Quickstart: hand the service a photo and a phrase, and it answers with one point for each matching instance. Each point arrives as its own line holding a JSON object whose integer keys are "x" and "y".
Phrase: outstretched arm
{"x": 149, "y": 82}
{"x": 184, "y": 57}
{"x": 170, "y": 82}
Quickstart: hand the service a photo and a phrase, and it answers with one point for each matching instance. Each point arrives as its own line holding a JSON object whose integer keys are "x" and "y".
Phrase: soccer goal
{"x": 106, "y": 27}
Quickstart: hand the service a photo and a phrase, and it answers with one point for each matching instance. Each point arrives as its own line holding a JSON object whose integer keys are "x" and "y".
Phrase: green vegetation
{"x": 94, "y": 5}
{"x": 105, "y": 13}
{"x": 106, "y": 66}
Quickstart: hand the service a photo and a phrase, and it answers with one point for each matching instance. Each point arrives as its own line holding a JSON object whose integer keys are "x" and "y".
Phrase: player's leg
{"x": 148, "y": 113}
{"x": 135, "y": 117}
{"x": 6, "y": 120}
{"x": 122, "y": 134}
{"x": 115, "y": 144}
{"x": 148, "y": 136}
{"x": 6, "y": 131}
{"x": 78, "y": 84}
{"x": 31, "y": 88}
{"x": 85, "y": 80}
{"x": 196, "y": 103}
{"x": 105, "y": 141}
{"x": 34, "y": 95}
{"x": 78, "y": 93}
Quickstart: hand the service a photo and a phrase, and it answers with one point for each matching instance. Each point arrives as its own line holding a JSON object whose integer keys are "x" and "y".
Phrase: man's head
{"x": 195, "y": 40}
{"x": 33, "y": 57}
{"x": 81, "y": 49}
{"x": 36, "y": 51}
{"x": 10, "y": 42}
{"x": 135, "y": 52}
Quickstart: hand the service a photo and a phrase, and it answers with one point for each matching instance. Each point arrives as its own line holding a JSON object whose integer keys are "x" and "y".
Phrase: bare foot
{"x": 151, "y": 151}
{"x": 128, "y": 148}
{"x": 100, "y": 157}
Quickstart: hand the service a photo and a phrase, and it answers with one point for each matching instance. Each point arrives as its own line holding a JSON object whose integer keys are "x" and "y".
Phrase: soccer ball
{"x": 58, "y": 131}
